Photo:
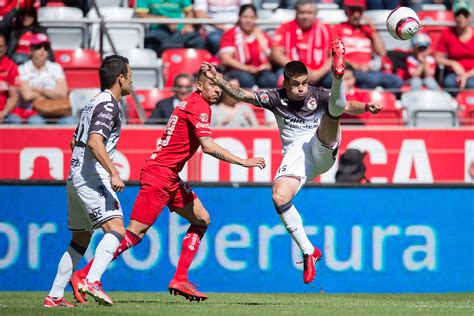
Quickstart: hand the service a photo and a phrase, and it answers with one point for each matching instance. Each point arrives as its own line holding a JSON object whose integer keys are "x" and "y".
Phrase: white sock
{"x": 103, "y": 256}
{"x": 66, "y": 265}
{"x": 294, "y": 225}
{"x": 337, "y": 100}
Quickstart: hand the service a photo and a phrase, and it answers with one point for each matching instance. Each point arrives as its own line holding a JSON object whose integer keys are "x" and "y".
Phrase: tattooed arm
{"x": 213, "y": 149}
{"x": 234, "y": 92}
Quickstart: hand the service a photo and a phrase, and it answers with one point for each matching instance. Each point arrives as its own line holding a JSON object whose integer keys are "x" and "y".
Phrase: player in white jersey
{"x": 92, "y": 182}
{"x": 308, "y": 120}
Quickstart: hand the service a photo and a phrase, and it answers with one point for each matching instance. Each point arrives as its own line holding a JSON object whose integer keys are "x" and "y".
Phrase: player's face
{"x": 209, "y": 90}
{"x": 305, "y": 15}
{"x": 126, "y": 82}
{"x": 3, "y": 47}
{"x": 297, "y": 87}
{"x": 247, "y": 20}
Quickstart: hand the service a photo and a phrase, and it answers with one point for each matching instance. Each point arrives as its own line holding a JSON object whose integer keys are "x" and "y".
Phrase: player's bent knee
{"x": 115, "y": 224}
{"x": 279, "y": 197}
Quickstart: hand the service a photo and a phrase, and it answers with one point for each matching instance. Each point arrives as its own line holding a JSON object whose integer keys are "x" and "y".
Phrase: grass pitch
{"x": 138, "y": 303}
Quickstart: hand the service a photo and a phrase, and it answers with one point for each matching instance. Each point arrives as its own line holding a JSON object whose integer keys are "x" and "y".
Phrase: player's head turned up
{"x": 295, "y": 75}
{"x": 207, "y": 88}
{"x": 115, "y": 74}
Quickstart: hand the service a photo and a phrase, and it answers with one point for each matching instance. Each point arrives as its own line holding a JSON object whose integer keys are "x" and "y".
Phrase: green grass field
{"x": 138, "y": 303}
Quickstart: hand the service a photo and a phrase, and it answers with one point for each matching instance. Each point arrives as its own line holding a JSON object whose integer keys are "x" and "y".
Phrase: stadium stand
{"x": 391, "y": 114}
{"x": 428, "y": 108}
{"x": 146, "y": 73}
{"x": 79, "y": 98}
{"x": 465, "y": 101}
{"x": 79, "y": 64}
{"x": 179, "y": 59}
{"x": 148, "y": 100}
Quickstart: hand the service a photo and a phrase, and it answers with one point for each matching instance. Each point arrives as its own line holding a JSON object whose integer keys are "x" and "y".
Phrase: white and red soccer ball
{"x": 403, "y": 23}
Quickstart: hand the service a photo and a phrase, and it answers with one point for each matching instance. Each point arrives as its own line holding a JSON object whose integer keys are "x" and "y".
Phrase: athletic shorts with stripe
{"x": 159, "y": 187}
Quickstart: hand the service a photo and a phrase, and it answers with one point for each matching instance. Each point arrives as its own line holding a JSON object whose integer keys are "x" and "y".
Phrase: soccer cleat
{"x": 186, "y": 289}
{"x": 338, "y": 59}
{"x": 95, "y": 290}
{"x": 309, "y": 262}
{"x": 56, "y": 302}
{"x": 75, "y": 280}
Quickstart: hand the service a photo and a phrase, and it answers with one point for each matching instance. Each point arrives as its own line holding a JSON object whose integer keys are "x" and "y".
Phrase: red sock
{"x": 128, "y": 241}
{"x": 189, "y": 247}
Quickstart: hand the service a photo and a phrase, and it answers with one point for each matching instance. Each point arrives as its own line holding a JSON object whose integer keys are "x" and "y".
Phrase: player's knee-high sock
{"x": 67, "y": 263}
{"x": 104, "y": 255}
{"x": 337, "y": 100}
{"x": 294, "y": 225}
{"x": 189, "y": 247}
{"x": 130, "y": 240}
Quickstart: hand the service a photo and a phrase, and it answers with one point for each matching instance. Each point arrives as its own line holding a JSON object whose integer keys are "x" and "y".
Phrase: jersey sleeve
{"x": 279, "y": 36}
{"x": 199, "y": 118}
{"x": 266, "y": 98}
{"x": 142, "y": 6}
{"x": 12, "y": 77}
{"x": 104, "y": 118}
{"x": 227, "y": 43}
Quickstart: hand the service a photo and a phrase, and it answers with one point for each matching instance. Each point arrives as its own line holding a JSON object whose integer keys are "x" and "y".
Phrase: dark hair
{"x": 245, "y": 7}
{"x": 112, "y": 67}
{"x": 294, "y": 68}
{"x": 200, "y": 76}
{"x": 182, "y": 75}
{"x": 22, "y": 13}
{"x": 349, "y": 67}
{"x": 301, "y": 3}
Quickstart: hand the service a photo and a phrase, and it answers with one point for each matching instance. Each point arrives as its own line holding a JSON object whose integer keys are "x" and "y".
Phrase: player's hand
{"x": 374, "y": 108}
{"x": 117, "y": 183}
{"x": 254, "y": 162}
{"x": 209, "y": 70}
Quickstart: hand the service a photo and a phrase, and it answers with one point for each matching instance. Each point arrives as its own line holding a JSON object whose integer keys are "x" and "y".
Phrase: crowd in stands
{"x": 34, "y": 89}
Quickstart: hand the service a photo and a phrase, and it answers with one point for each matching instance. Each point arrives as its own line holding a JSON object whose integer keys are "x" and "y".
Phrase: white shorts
{"x": 307, "y": 160}
{"x": 91, "y": 204}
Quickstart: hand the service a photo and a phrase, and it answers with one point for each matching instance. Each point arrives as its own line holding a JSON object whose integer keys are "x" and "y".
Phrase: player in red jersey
{"x": 160, "y": 185}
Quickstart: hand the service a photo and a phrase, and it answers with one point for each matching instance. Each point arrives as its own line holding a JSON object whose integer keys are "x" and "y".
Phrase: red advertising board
{"x": 394, "y": 155}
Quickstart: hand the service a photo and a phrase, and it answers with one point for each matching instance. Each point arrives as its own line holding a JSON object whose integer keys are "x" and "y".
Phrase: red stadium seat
{"x": 179, "y": 60}
{"x": 260, "y": 114}
{"x": 466, "y": 104}
{"x": 81, "y": 67}
{"x": 435, "y": 31}
{"x": 390, "y": 115}
{"x": 148, "y": 100}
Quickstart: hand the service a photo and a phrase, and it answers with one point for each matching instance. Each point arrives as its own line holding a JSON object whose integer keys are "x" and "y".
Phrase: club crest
{"x": 264, "y": 97}
{"x": 312, "y": 105}
{"x": 204, "y": 117}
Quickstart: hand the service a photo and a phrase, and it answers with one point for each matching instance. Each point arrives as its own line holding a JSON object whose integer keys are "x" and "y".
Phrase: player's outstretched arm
{"x": 356, "y": 107}
{"x": 95, "y": 142}
{"x": 235, "y": 93}
{"x": 213, "y": 149}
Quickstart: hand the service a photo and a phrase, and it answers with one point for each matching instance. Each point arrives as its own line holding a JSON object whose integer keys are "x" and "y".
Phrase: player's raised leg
{"x": 76, "y": 249}
{"x": 284, "y": 189}
{"x": 113, "y": 235}
{"x": 198, "y": 216}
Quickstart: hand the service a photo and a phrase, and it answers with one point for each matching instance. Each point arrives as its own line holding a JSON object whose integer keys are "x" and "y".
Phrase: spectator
{"x": 26, "y": 25}
{"x": 182, "y": 87}
{"x": 421, "y": 64}
{"x": 43, "y": 87}
{"x": 245, "y": 51}
{"x": 8, "y": 85}
{"x": 352, "y": 93}
{"x": 164, "y": 36}
{"x": 456, "y": 48}
{"x": 7, "y": 6}
{"x": 362, "y": 41}
{"x": 217, "y": 9}
{"x": 232, "y": 113}
{"x": 305, "y": 39}
{"x": 385, "y": 4}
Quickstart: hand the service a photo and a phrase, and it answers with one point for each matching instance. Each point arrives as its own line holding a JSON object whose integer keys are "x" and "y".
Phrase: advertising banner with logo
{"x": 393, "y": 155}
{"x": 374, "y": 239}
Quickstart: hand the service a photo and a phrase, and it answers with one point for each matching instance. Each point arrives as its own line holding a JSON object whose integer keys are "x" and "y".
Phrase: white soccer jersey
{"x": 101, "y": 115}
{"x": 297, "y": 120}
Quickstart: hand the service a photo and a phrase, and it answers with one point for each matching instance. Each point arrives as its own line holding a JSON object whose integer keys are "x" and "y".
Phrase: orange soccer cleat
{"x": 309, "y": 262}
{"x": 56, "y": 302}
{"x": 338, "y": 58}
{"x": 186, "y": 289}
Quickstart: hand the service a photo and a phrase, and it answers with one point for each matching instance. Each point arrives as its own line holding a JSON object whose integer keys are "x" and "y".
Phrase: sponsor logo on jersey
{"x": 202, "y": 125}
{"x": 103, "y": 124}
{"x": 102, "y": 190}
{"x": 95, "y": 214}
{"x": 204, "y": 117}
{"x": 264, "y": 97}
{"x": 312, "y": 105}
{"x": 106, "y": 116}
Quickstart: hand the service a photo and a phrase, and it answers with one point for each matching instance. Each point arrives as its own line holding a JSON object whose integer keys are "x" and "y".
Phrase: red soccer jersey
{"x": 246, "y": 48}
{"x": 358, "y": 42}
{"x": 311, "y": 47}
{"x": 413, "y": 63}
{"x": 457, "y": 50}
{"x": 189, "y": 121}
{"x": 8, "y": 77}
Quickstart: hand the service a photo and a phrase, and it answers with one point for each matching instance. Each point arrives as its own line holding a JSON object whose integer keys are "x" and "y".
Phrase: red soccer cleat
{"x": 75, "y": 280}
{"x": 186, "y": 289}
{"x": 309, "y": 262}
{"x": 95, "y": 290}
{"x": 338, "y": 58}
{"x": 58, "y": 302}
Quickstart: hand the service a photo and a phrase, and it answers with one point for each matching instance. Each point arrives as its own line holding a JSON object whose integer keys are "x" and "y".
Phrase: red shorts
{"x": 159, "y": 187}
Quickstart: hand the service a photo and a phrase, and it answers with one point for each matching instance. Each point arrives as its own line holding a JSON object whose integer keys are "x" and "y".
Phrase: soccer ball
{"x": 403, "y": 23}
